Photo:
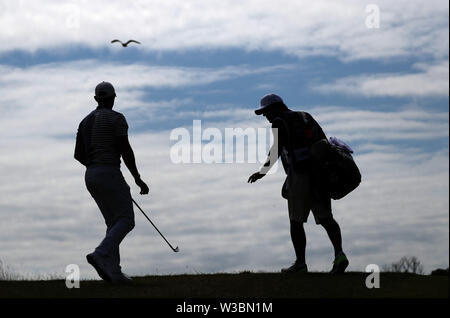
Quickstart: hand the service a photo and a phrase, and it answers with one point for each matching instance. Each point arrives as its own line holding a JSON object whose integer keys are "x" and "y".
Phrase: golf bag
{"x": 335, "y": 172}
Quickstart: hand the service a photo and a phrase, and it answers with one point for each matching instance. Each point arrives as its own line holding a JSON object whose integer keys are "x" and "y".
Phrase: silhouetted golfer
{"x": 102, "y": 139}
{"x": 297, "y": 132}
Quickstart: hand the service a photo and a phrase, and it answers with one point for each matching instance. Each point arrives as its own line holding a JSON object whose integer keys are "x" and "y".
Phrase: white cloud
{"x": 376, "y": 126}
{"x": 408, "y": 28}
{"x": 65, "y": 90}
{"x": 49, "y": 219}
{"x": 431, "y": 80}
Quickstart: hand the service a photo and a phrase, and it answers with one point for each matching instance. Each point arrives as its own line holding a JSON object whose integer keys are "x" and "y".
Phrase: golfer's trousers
{"x": 110, "y": 191}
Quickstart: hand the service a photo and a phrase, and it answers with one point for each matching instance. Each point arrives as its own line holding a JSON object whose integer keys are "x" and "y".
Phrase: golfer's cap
{"x": 266, "y": 101}
{"x": 104, "y": 89}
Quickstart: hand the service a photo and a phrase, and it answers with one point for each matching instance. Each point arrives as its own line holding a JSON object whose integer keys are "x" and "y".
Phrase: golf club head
{"x": 176, "y": 249}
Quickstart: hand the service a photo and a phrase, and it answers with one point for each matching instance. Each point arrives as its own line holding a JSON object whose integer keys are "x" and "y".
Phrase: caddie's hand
{"x": 141, "y": 184}
{"x": 255, "y": 176}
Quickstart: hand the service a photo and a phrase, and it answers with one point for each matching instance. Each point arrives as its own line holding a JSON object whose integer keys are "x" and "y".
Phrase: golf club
{"x": 176, "y": 249}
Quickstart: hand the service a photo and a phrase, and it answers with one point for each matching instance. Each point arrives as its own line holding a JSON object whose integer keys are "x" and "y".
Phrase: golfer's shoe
{"x": 296, "y": 268}
{"x": 101, "y": 266}
{"x": 121, "y": 278}
{"x": 340, "y": 264}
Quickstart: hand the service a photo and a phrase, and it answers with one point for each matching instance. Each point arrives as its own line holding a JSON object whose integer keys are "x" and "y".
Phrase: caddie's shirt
{"x": 292, "y": 132}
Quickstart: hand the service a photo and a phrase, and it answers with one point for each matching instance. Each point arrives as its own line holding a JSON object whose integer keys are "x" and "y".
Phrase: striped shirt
{"x": 98, "y": 133}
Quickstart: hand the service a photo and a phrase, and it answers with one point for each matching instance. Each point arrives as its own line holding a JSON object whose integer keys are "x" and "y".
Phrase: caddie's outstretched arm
{"x": 272, "y": 157}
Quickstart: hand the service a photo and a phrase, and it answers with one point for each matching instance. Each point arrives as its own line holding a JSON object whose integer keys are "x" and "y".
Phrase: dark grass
{"x": 243, "y": 285}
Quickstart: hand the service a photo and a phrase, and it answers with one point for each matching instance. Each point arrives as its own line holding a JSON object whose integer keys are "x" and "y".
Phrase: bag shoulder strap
{"x": 303, "y": 117}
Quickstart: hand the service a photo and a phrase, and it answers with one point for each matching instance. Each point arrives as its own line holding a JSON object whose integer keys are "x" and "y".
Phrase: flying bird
{"x": 125, "y": 44}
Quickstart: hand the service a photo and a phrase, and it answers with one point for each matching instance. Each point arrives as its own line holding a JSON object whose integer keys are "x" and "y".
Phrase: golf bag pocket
{"x": 336, "y": 173}
{"x": 344, "y": 175}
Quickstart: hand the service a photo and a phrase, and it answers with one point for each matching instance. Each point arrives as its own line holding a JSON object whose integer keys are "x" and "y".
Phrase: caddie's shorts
{"x": 301, "y": 201}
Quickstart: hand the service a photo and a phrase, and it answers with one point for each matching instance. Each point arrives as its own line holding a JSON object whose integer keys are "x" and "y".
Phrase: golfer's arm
{"x": 128, "y": 155}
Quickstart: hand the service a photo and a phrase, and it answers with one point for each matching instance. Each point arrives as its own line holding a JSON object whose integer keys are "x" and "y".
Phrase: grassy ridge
{"x": 250, "y": 285}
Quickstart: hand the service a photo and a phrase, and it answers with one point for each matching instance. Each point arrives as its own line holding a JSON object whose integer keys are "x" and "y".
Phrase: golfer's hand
{"x": 255, "y": 176}
{"x": 141, "y": 184}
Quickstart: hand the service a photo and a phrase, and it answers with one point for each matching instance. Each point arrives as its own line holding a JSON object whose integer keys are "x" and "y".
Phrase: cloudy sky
{"x": 381, "y": 85}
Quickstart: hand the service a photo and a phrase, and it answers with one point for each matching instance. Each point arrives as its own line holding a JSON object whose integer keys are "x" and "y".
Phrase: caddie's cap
{"x": 267, "y": 101}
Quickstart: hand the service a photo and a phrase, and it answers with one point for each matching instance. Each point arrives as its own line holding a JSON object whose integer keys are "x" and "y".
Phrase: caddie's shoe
{"x": 101, "y": 266}
{"x": 296, "y": 268}
{"x": 121, "y": 278}
{"x": 340, "y": 264}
